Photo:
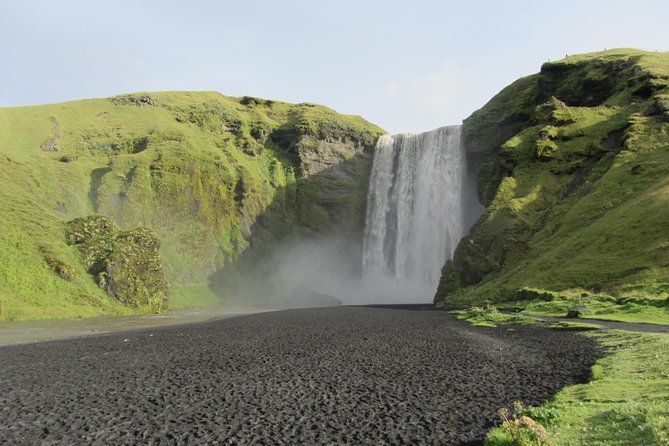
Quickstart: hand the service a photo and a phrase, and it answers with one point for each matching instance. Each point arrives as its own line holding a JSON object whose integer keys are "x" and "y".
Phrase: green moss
{"x": 553, "y": 111}
{"x": 126, "y": 264}
{"x": 575, "y": 189}
{"x": 41, "y": 277}
{"x": 654, "y": 311}
{"x": 193, "y": 295}
{"x": 544, "y": 149}
{"x": 488, "y": 316}
{"x": 61, "y": 268}
{"x": 535, "y": 294}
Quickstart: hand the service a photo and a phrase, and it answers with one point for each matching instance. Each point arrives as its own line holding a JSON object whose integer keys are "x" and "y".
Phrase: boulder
{"x": 126, "y": 264}
{"x": 577, "y": 311}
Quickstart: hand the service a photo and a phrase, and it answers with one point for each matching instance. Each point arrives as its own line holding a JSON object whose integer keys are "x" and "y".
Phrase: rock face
{"x": 572, "y": 169}
{"x": 125, "y": 264}
{"x": 325, "y": 205}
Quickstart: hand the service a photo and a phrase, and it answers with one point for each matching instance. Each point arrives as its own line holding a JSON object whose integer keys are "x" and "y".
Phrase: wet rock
{"x": 577, "y": 311}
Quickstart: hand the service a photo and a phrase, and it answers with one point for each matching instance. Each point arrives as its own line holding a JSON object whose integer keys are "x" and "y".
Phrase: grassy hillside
{"x": 574, "y": 173}
{"x": 207, "y": 173}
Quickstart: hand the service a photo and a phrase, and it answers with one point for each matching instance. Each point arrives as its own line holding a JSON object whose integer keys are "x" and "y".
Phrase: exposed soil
{"x": 342, "y": 375}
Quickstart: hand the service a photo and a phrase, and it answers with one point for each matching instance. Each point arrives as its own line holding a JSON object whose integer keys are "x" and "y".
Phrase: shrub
{"x": 576, "y": 311}
{"x": 517, "y": 429}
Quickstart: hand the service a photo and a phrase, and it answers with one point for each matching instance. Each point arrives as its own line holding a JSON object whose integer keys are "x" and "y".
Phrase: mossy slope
{"x": 574, "y": 174}
{"x": 207, "y": 173}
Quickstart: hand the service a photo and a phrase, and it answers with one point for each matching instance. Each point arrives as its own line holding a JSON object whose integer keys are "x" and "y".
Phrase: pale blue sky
{"x": 404, "y": 65}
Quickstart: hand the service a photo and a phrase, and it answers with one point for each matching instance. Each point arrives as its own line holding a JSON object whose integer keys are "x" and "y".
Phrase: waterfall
{"x": 415, "y": 214}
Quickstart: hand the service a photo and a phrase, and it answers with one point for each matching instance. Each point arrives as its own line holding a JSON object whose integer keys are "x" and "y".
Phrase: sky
{"x": 407, "y": 66}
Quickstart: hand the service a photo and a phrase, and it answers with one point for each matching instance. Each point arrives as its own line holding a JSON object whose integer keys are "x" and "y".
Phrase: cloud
{"x": 445, "y": 95}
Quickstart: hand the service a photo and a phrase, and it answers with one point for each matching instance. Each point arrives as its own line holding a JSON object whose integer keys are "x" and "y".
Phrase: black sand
{"x": 347, "y": 375}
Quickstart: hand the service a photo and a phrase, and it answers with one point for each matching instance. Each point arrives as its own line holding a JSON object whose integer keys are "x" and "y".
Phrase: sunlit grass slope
{"x": 626, "y": 401}
{"x": 575, "y": 177}
{"x": 197, "y": 168}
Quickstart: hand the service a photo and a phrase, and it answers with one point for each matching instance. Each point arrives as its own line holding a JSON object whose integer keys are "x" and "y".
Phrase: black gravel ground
{"x": 346, "y": 375}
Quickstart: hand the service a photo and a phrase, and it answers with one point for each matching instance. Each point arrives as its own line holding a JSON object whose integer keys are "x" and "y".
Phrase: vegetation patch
{"x": 574, "y": 326}
{"x": 517, "y": 429}
{"x": 126, "y": 264}
{"x": 62, "y": 269}
{"x": 626, "y": 401}
{"x": 600, "y": 307}
{"x": 489, "y": 316}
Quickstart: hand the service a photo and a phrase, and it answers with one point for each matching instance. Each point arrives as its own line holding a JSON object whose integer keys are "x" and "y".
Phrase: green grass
{"x": 197, "y": 168}
{"x": 574, "y": 326}
{"x": 600, "y": 309}
{"x": 490, "y": 317}
{"x": 593, "y": 215}
{"x": 193, "y": 295}
{"x": 30, "y": 289}
{"x": 626, "y": 402}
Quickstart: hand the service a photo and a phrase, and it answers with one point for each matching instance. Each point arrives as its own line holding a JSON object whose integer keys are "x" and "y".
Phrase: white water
{"x": 420, "y": 203}
{"x": 415, "y": 212}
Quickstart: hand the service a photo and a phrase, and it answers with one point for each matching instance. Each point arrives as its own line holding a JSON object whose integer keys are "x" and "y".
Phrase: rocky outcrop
{"x": 126, "y": 264}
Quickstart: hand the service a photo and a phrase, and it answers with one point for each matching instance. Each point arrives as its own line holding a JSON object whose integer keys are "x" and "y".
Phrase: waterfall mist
{"x": 420, "y": 203}
{"x": 317, "y": 271}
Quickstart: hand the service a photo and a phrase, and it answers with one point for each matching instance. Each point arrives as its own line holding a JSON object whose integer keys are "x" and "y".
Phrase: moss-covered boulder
{"x": 126, "y": 264}
{"x": 95, "y": 236}
{"x": 554, "y": 111}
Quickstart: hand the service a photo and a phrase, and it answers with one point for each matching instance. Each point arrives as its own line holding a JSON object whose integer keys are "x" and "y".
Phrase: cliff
{"x": 209, "y": 175}
{"x": 573, "y": 168}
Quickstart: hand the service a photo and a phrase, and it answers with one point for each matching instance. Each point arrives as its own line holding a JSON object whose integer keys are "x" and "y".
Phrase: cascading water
{"x": 415, "y": 213}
